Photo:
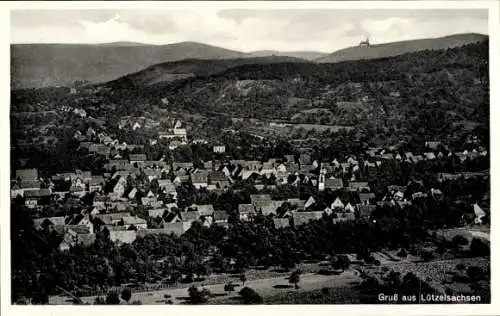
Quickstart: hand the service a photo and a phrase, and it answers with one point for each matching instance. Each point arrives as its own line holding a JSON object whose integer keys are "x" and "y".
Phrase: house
{"x": 176, "y": 229}
{"x": 432, "y": 145}
{"x": 151, "y": 174}
{"x": 309, "y": 202}
{"x": 171, "y": 217}
{"x": 199, "y": 179}
{"x": 150, "y": 201}
{"x": 281, "y": 222}
{"x": 300, "y": 218}
{"x": 190, "y": 216}
{"x": 430, "y": 156}
{"x": 436, "y": 193}
{"x": 290, "y": 158}
{"x": 267, "y": 169}
{"x": 270, "y": 207}
{"x": 418, "y": 195}
{"x": 182, "y": 165}
{"x": 33, "y": 197}
{"x": 337, "y": 204}
{"x": 349, "y": 208}
{"x": 298, "y": 203}
{"x": 168, "y": 187}
{"x": 117, "y": 164}
{"x": 365, "y": 211}
{"x": 218, "y": 178}
{"x": 112, "y": 218}
{"x": 366, "y": 197}
{"x": 40, "y": 223}
{"x": 119, "y": 188}
{"x": 80, "y": 178}
{"x": 219, "y": 149}
{"x": 205, "y": 210}
{"x": 246, "y": 211}
{"x": 304, "y": 159}
{"x": 479, "y": 214}
{"x": 132, "y": 194}
{"x": 137, "y": 158}
{"x": 27, "y": 174}
{"x": 175, "y": 133}
{"x": 330, "y": 183}
{"x": 138, "y": 222}
{"x": 342, "y": 217}
{"x": 257, "y": 198}
{"x": 96, "y": 184}
{"x": 358, "y": 186}
{"x": 220, "y": 217}
{"x": 156, "y": 212}
{"x": 122, "y": 236}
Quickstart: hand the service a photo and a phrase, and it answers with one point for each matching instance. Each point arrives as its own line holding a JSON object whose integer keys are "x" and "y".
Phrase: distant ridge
{"x": 41, "y": 65}
{"x": 402, "y": 47}
{"x": 309, "y": 55}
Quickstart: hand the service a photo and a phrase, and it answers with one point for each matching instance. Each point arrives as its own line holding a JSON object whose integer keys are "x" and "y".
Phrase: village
{"x": 132, "y": 181}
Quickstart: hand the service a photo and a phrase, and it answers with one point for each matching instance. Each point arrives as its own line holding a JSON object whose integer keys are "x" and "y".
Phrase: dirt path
{"x": 265, "y": 287}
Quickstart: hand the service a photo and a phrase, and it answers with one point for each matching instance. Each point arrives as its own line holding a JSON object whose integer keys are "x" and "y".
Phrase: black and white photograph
{"x": 230, "y": 154}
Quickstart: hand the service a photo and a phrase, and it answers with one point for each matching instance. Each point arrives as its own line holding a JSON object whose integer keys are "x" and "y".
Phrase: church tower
{"x": 321, "y": 182}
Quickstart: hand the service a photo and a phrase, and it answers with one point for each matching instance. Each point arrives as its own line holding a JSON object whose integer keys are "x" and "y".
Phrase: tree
{"x": 479, "y": 248}
{"x": 112, "y": 298}
{"x": 294, "y": 279}
{"x": 475, "y": 273}
{"x": 196, "y": 296}
{"x": 126, "y": 295}
{"x": 229, "y": 287}
{"x": 100, "y": 301}
{"x": 457, "y": 242}
{"x": 249, "y": 296}
{"x": 243, "y": 278}
{"x": 342, "y": 262}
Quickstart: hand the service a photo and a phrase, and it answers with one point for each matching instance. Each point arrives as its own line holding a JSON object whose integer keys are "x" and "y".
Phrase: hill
{"x": 308, "y": 55}
{"x": 398, "y": 48}
{"x": 413, "y": 92}
{"x": 188, "y": 68}
{"x": 39, "y": 65}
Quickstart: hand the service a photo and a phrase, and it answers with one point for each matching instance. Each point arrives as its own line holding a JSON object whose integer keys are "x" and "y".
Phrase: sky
{"x": 246, "y": 30}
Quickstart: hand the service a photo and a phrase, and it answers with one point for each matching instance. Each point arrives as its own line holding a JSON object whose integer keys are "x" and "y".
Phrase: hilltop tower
{"x": 365, "y": 43}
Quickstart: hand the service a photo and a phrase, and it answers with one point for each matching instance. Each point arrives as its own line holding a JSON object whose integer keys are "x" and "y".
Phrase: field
{"x": 469, "y": 233}
{"x": 321, "y": 128}
{"x": 269, "y": 284}
{"x": 442, "y": 274}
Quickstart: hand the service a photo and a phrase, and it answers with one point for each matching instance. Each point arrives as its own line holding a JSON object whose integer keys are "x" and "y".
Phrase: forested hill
{"x": 398, "y": 48}
{"x": 187, "y": 68}
{"x": 416, "y": 91}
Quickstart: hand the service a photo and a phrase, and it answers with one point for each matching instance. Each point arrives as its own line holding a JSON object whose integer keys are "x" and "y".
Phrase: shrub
{"x": 196, "y": 296}
{"x": 460, "y": 266}
{"x": 112, "y": 298}
{"x": 126, "y": 295}
{"x": 249, "y": 296}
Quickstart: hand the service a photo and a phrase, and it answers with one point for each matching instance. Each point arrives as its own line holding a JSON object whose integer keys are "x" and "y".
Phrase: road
{"x": 265, "y": 287}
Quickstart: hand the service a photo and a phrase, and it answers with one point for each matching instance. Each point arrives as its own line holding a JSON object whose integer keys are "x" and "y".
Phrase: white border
{"x": 7, "y": 309}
